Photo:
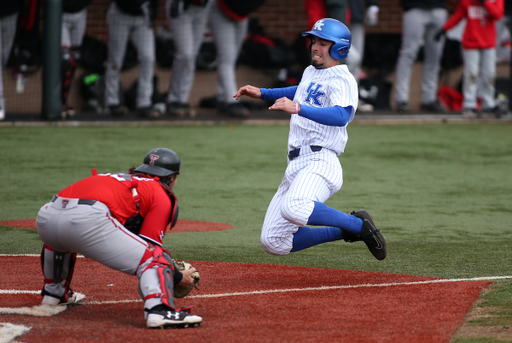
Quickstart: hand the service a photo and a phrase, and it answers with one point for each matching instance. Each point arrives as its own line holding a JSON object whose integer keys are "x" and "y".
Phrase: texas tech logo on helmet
{"x": 153, "y": 158}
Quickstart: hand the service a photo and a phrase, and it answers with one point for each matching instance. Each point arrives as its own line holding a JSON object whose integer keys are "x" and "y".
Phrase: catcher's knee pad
{"x": 58, "y": 268}
{"x": 162, "y": 261}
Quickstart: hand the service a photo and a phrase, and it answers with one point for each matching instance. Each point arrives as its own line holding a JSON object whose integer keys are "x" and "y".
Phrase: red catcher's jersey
{"x": 114, "y": 191}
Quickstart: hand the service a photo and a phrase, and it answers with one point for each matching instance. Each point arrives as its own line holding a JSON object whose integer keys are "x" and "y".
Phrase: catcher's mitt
{"x": 180, "y": 292}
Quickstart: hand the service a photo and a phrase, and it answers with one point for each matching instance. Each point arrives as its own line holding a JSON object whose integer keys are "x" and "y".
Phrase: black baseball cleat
{"x": 161, "y": 317}
{"x": 370, "y": 235}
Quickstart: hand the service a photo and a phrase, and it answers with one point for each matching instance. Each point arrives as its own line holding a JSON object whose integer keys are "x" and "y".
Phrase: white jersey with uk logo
{"x": 323, "y": 87}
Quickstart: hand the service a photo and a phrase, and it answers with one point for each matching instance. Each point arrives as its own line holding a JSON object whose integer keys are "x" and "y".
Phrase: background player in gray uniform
{"x": 324, "y": 102}
{"x": 229, "y": 21}
{"x": 131, "y": 19}
{"x": 8, "y": 19}
{"x": 359, "y": 17}
{"x": 187, "y": 20}
{"x": 74, "y": 20}
{"x": 421, "y": 21}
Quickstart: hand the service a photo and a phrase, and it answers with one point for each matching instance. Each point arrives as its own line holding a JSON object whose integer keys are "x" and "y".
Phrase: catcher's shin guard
{"x": 58, "y": 268}
{"x": 165, "y": 269}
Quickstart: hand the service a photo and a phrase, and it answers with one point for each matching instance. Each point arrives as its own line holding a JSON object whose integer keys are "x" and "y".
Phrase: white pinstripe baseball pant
{"x": 309, "y": 178}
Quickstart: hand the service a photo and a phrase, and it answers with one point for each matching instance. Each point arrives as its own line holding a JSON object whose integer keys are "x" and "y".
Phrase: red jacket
{"x": 155, "y": 205}
{"x": 480, "y": 32}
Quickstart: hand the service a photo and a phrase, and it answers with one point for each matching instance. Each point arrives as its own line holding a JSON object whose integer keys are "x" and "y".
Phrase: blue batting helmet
{"x": 334, "y": 31}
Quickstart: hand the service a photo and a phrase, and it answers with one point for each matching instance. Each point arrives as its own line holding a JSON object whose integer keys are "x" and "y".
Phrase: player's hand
{"x": 284, "y": 104}
{"x": 187, "y": 278}
{"x": 250, "y": 91}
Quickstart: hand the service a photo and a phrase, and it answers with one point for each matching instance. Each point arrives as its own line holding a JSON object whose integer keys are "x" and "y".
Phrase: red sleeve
{"x": 457, "y": 16}
{"x": 156, "y": 218}
{"x": 495, "y": 8}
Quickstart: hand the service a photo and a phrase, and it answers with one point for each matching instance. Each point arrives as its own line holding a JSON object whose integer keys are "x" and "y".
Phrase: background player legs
{"x": 188, "y": 33}
{"x": 144, "y": 41}
{"x": 469, "y": 82}
{"x": 118, "y": 31}
{"x": 358, "y": 37}
{"x": 414, "y": 20}
{"x": 7, "y": 33}
{"x": 73, "y": 29}
{"x": 488, "y": 76}
{"x": 228, "y": 36}
{"x": 432, "y": 52}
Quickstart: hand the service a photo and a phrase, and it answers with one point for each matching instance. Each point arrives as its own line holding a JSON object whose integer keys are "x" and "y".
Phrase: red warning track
{"x": 182, "y": 225}
{"x": 364, "y": 312}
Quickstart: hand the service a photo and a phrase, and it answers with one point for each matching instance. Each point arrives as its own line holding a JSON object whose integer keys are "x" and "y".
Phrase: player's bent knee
{"x": 291, "y": 214}
{"x": 272, "y": 247}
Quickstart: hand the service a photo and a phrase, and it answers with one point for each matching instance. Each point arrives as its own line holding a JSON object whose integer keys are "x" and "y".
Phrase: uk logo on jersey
{"x": 318, "y": 25}
{"x": 153, "y": 158}
{"x": 314, "y": 94}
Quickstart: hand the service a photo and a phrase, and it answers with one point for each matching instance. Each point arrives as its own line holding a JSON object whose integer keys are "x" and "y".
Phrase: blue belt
{"x": 296, "y": 152}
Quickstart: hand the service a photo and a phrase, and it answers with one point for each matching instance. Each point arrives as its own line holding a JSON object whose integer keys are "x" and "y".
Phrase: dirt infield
{"x": 247, "y": 303}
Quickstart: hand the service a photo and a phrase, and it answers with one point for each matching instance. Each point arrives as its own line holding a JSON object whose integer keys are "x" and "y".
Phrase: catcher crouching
{"x": 119, "y": 220}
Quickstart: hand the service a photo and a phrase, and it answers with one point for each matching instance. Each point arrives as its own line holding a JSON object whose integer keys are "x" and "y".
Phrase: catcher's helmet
{"x": 334, "y": 31}
{"x": 160, "y": 162}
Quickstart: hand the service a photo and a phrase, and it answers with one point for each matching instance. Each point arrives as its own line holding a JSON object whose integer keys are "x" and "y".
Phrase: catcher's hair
{"x": 166, "y": 179}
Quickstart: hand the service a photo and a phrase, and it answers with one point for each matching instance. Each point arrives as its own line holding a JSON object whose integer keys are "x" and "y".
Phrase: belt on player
{"x": 80, "y": 201}
{"x": 296, "y": 152}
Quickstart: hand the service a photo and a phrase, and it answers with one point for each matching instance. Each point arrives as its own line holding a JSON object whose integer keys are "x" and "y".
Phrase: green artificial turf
{"x": 440, "y": 193}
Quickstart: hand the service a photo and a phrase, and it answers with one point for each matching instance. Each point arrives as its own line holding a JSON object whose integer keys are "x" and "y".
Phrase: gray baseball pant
{"x": 73, "y": 28}
{"x": 228, "y": 36}
{"x": 122, "y": 27}
{"x": 7, "y": 33}
{"x": 479, "y": 63}
{"x": 188, "y": 32}
{"x": 420, "y": 26}
{"x": 90, "y": 230}
{"x": 356, "y": 52}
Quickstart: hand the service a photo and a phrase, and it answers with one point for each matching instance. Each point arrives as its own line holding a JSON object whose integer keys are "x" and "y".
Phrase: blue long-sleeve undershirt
{"x": 272, "y": 94}
{"x": 331, "y": 116}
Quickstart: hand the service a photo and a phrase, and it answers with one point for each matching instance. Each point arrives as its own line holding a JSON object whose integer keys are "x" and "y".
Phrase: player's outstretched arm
{"x": 250, "y": 91}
